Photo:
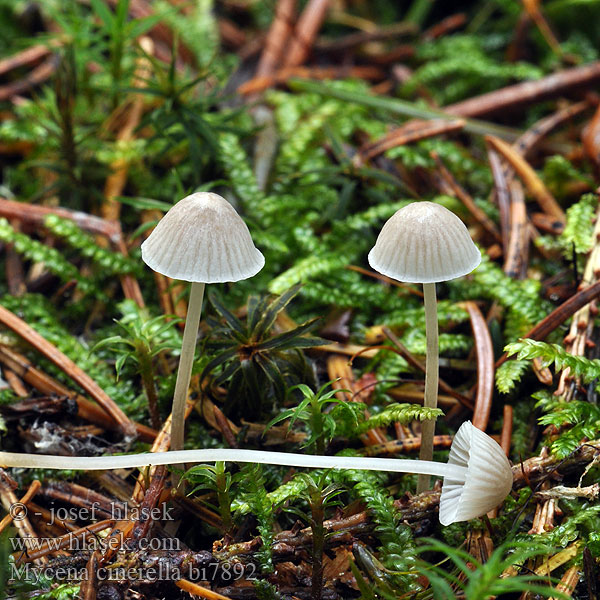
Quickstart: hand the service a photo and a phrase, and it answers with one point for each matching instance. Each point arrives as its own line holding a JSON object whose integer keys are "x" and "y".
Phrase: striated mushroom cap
{"x": 424, "y": 242}
{"x": 489, "y": 476}
{"x": 202, "y": 239}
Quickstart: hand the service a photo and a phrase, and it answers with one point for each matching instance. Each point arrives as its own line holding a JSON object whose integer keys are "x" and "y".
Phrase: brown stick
{"x": 17, "y": 147}
{"x": 224, "y": 425}
{"x": 64, "y": 541}
{"x": 197, "y": 590}
{"x": 152, "y": 499}
{"x": 277, "y": 38}
{"x": 533, "y": 10}
{"x": 478, "y": 214}
{"x": 230, "y": 34}
{"x": 502, "y": 195}
{"x": 308, "y": 25}
{"x": 129, "y": 284}
{"x": 559, "y": 315}
{"x": 79, "y": 495}
{"x": 528, "y": 91}
{"x": 543, "y": 374}
{"x": 516, "y": 258}
{"x": 529, "y": 177}
{"x": 398, "y": 55}
{"x": 485, "y": 366}
{"x": 445, "y": 26}
{"x": 89, "y": 411}
{"x": 10, "y": 503}
{"x": 546, "y": 224}
{"x": 263, "y": 82}
{"x": 410, "y": 132}
{"x": 22, "y": 329}
{"x": 15, "y": 382}
{"x": 35, "y": 214}
{"x": 353, "y": 40}
{"x": 115, "y": 182}
{"x": 507, "y": 427}
{"x": 12, "y": 514}
{"x": 532, "y": 137}
{"x": 23, "y": 58}
{"x": 569, "y": 582}
{"x": 409, "y": 444}
{"x": 35, "y": 77}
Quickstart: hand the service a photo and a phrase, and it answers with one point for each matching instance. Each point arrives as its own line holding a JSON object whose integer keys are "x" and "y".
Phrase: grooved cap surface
{"x": 489, "y": 477}
{"x": 202, "y": 239}
{"x": 424, "y": 242}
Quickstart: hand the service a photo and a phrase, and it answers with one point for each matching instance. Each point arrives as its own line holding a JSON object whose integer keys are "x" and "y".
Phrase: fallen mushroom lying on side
{"x": 477, "y": 476}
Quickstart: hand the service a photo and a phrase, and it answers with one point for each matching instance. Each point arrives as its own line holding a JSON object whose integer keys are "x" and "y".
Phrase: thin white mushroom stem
{"x": 431, "y": 379}
{"x": 127, "y": 461}
{"x": 186, "y": 360}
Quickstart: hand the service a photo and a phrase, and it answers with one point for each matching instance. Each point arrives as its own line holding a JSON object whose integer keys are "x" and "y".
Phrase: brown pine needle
{"x": 63, "y": 362}
{"x": 530, "y": 178}
{"x": 29, "y": 494}
{"x": 485, "y": 366}
{"x": 198, "y": 590}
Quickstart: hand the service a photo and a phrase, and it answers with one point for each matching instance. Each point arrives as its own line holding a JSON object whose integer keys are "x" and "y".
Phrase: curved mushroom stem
{"x": 186, "y": 360}
{"x": 124, "y": 461}
{"x": 431, "y": 379}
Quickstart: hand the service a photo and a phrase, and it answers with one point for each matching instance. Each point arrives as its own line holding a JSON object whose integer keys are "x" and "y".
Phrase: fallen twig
{"x": 559, "y": 315}
{"x": 50, "y": 351}
{"x": 529, "y": 177}
{"x": 38, "y": 75}
{"x": 306, "y": 29}
{"x": 409, "y": 132}
{"x": 526, "y": 92}
{"x": 485, "y": 366}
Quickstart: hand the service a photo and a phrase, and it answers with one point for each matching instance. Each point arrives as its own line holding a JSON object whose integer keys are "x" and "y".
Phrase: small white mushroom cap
{"x": 202, "y": 239}
{"x": 424, "y": 242}
{"x": 489, "y": 477}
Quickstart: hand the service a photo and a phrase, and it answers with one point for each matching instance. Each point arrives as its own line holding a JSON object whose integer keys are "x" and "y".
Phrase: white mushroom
{"x": 203, "y": 240}
{"x": 424, "y": 242}
{"x": 477, "y": 476}
{"x": 488, "y": 479}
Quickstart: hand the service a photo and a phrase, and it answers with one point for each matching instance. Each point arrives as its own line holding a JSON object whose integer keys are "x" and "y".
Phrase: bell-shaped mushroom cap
{"x": 424, "y": 242}
{"x": 489, "y": 477}
{"x": 202, "y": 239}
